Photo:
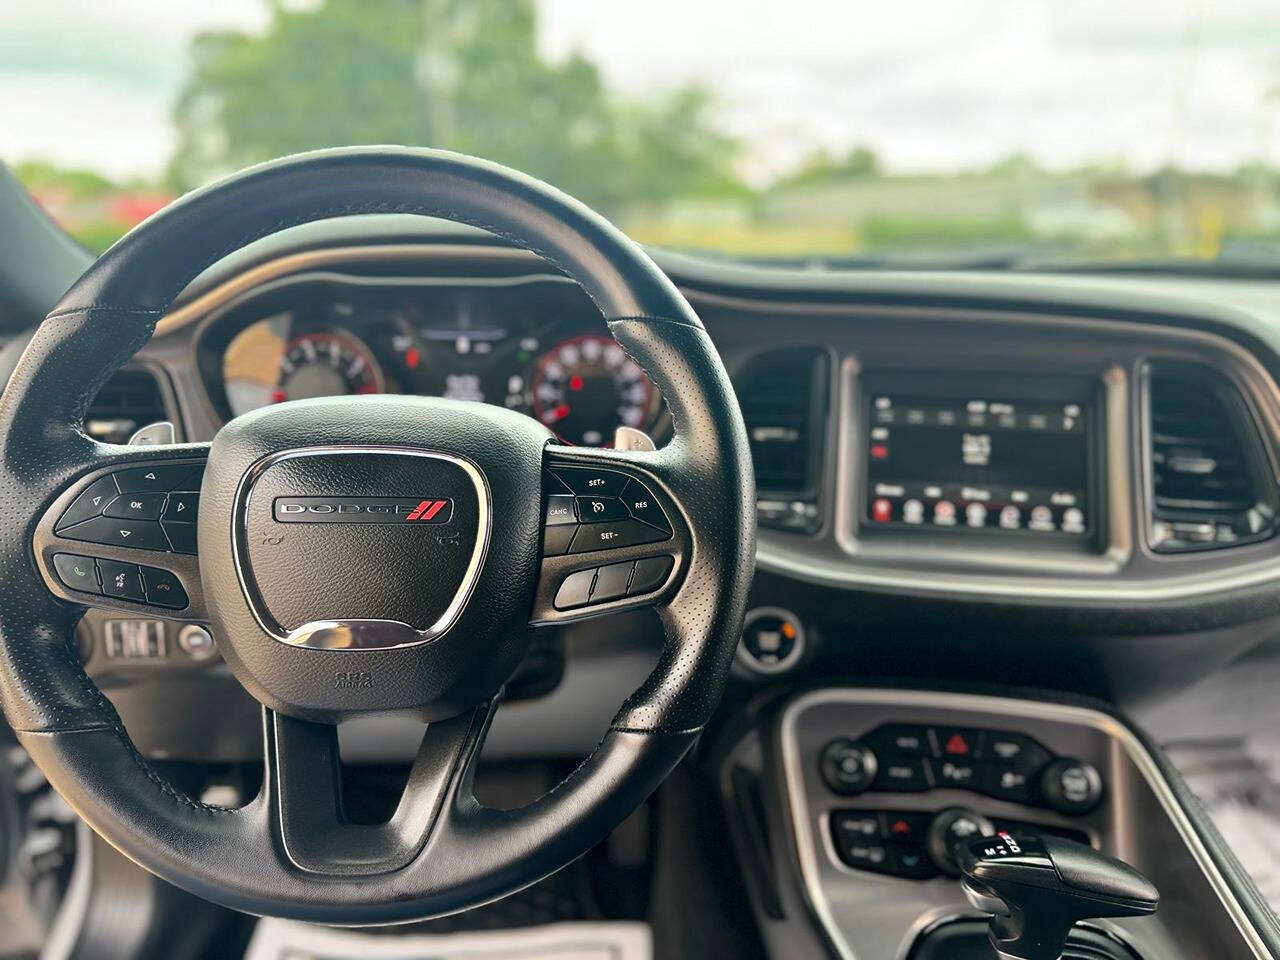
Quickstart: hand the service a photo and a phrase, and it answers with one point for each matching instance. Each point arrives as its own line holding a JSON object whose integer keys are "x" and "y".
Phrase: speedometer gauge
{"x": 324, "y": 364}
{"x": 587, "y": 386}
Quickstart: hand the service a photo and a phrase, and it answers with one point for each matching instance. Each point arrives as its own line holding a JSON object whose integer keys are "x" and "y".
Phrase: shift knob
{"x": 1037, "y": 888}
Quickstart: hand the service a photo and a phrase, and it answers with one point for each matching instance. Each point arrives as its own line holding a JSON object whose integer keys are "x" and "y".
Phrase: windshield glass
{"x": 971, "y": 129}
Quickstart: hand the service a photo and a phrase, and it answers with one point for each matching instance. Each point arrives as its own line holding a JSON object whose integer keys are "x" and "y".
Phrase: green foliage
{"x": 822, "y": 166}
{"x": 460, "y": 74}
{"x": 896, "y": 232}
{"x": 38, "y": 175}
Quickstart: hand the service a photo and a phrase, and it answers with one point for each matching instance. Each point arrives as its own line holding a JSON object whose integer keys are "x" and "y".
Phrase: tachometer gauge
{"x": 325, "y": 364}
{"x": 585, "y": 387}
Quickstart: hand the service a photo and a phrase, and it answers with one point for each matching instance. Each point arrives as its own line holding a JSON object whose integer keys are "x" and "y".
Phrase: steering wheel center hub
{"x": 359, "y": 547}
{"x": 373, "y": 554}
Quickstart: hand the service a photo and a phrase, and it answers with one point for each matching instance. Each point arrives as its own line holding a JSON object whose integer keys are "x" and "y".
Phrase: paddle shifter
{"x": 1037, "y": 888}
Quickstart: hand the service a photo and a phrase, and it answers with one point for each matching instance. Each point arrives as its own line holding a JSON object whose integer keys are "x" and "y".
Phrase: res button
{"x": 641, "y": 504}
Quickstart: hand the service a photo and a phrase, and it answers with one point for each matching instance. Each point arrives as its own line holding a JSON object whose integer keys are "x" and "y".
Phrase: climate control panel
{"x": 912, "y": 758}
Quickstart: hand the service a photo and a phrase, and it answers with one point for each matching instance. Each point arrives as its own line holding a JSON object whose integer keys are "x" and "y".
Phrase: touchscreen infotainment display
{"x": 991, "y": 463}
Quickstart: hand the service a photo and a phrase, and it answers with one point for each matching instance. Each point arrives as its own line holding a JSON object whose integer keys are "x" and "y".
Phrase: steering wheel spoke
{"x": 614, "y": 535}
{"x": 122, "y": 534}
{"x": 318, "y": 836}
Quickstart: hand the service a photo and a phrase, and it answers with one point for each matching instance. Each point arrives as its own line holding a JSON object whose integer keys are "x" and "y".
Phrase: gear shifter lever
{"x": 1037, "y": 888}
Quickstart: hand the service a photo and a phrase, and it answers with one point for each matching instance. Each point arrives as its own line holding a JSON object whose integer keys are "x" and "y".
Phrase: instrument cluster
{"x": 538, "y": 347}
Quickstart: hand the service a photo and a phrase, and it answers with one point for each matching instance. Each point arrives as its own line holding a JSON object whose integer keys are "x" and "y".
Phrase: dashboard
{"x": 1073, "y": 478}
{"x": 529, "y": 346}
{"x": 982, "y": 500}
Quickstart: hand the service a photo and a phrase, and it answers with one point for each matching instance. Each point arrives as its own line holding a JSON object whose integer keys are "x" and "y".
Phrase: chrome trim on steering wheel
{"x": 359, "y": 634}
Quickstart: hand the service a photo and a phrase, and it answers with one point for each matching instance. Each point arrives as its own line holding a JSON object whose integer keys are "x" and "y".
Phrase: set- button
{"x": 590, "y": 510}
{"x": 146, "y": 508}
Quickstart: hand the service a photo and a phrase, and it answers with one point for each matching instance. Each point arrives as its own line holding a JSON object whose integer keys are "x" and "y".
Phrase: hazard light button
{"x": 957, "y": 743}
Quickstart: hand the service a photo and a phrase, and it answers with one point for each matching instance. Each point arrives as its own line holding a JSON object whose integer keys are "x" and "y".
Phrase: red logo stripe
{"x": 426, "y": 510}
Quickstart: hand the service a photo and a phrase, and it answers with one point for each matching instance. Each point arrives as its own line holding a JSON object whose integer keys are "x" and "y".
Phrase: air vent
{"x": 129, "y": 400}
{"x": 783, "y": 395}
{"x": 1210, "y": 483}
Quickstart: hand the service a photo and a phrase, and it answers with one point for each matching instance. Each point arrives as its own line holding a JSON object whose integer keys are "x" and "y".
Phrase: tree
{"x": 461, "y": 74}
{"x": 822, "y": 166}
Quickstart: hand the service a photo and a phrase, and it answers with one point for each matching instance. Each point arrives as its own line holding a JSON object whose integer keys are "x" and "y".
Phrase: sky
{"x": 931, "y": 86}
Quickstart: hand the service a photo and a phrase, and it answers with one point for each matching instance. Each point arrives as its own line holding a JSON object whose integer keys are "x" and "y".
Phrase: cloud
{"x": 930, "y": 86}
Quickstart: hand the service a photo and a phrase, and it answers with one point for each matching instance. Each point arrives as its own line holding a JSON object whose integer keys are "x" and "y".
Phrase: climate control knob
{"x": 1071, "y": 786}
{"x": 848, "y": 766}
{"x": 950, "y": 829}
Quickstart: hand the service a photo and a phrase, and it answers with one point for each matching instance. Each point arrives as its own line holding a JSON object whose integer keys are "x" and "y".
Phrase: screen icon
{"x": 881, "y": 510}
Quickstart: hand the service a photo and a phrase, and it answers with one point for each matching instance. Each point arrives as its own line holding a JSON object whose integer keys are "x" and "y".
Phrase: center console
{"x": 863, "y": 797}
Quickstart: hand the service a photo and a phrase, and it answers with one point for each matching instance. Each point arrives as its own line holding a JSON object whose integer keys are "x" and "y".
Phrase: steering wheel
{"x": 365, "y": 555}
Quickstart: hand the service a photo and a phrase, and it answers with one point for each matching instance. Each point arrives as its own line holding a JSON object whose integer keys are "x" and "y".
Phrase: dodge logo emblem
{"x": 433, "y": 510}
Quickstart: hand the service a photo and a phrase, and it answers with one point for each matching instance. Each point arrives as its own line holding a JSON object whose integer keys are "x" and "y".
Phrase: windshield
{"x": 975, "y": 129}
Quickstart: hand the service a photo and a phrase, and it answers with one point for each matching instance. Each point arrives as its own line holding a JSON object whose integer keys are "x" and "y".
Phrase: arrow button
{"x": 182, "y": 506}
{"x": 91, "y": 503}
{"x": 139, "y": 534}
{"x": 156, "y": 477}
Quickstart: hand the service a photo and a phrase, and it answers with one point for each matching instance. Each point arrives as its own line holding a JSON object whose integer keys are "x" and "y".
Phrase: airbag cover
{"x": 363, "y": 535}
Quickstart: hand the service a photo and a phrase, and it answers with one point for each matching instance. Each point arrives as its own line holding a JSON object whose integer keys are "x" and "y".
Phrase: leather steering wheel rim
{"x": 452, "y": 853}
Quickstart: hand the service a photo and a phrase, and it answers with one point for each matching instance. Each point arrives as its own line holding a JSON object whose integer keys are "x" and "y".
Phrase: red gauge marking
{"x": 550, "y": 393}
{"x": 411, "y": 358}
{"x": 277, "y": 396}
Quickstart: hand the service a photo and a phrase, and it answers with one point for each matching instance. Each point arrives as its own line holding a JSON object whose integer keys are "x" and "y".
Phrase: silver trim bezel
{"x": 744, "y": 656}
{"x": 360, "y": 634}
{"x": 897, "y": 701}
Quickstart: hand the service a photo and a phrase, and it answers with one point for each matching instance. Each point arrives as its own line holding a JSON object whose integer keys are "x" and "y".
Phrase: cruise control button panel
{"x": 144, "y": 508}
{"x": 608, "y": 540}
{"x": 588, "y": 510}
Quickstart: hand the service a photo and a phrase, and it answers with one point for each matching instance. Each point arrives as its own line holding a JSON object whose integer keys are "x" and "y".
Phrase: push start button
{"x": 772, "y": 640}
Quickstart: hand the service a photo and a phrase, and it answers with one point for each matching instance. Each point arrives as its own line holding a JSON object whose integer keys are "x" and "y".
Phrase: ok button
{"x": 136, "y": 506}
{"x": 601, "y": 510}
